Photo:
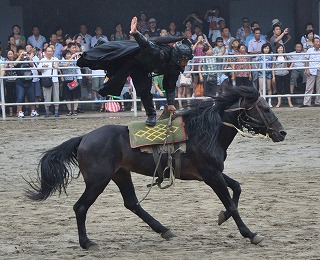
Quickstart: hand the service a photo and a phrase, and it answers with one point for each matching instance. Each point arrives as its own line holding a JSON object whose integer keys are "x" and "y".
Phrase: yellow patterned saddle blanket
{"x": 142, "y": 135}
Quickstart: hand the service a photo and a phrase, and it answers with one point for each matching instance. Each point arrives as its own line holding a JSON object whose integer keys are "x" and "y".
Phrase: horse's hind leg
{"x": 236, "y": 189}
{"x": 94, "y": 188}
{"x": 122, "y": 179}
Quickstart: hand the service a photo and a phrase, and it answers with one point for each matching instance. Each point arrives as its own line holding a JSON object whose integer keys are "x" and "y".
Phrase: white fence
{"x": 225, "y": 60}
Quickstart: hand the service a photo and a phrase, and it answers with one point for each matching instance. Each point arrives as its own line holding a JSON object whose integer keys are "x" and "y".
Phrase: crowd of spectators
{"x": 57, "y": 56}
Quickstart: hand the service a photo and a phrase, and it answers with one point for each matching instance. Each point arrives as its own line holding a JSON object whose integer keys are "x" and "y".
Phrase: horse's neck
{"x": 228, "y": 132}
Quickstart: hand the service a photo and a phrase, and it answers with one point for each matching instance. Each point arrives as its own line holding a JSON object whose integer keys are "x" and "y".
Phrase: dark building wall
{"x": 69, "y": 14}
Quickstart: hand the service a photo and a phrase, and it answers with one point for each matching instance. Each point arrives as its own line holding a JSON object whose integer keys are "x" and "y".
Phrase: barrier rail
{"x": 224, "y": 60}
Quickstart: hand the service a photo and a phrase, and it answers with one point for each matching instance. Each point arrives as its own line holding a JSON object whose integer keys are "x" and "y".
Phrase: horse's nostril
{"x": 283, "y": 133}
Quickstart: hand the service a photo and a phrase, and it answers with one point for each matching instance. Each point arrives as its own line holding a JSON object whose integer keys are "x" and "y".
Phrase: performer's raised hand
{"x": 134, "y": 22}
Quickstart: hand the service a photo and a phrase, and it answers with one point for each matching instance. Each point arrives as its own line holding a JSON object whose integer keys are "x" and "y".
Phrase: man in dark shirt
{"x": 139, "y": 59}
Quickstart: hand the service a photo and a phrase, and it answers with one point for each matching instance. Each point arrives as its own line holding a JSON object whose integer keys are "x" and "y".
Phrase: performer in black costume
{"x": 139, "y": 59}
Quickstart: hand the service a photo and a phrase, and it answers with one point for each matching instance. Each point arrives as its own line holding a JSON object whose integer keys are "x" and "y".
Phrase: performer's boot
{"x": 151, "y": 120}
{"x": 146, "y": 99}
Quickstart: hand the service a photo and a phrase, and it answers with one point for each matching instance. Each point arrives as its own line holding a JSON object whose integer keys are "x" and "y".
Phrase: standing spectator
{"x": 187, "y": 25}
{"x": 35, "y": 81}
{"x": 77, "y": 40}
{"x": 297, "y": 63}
{"x": 254, "y": 25}
{"x": 19, "y": 39}
{"x": 86, "y": 38}
{"x": 265, "y": 49}
{"x": 24, "y": 85}
{"x": 214, "y": 19}
{"x": 214, "y": 82}
{"x": 49, "y": 68}
{"x": 173, "y": 30}
{"x": 313, "y": 73}
{"x": 36, "y": 39}
{"x": 184, "y": 85}
{"x": 10, "y": 83}
{"x": 153, "y": 31}
{"x": 143, "y": 24}
{"x": 198, "y": 32}
{"x": 281, "y": 75}
{"x": 279, "y": 37}
{"x": 157, "y": 82}
{"x": 11, "y": 44}
{"x": 226, "y": 36}
{"x": 118, "y": 34}
{"x": 59, "y": 33}
{"x": 309, "y": 27}
{"x": 232, "y": 49}
{"x": 57, "y": 46}
{"x": 309, "y": 43}
{"x": 188, "y": 35}
{"x": 68, "y": 60}
{"x": 242, "y": 78}
{"x": 255, "y": 45}
{"x": 198, "y": 51}
{"x": 66, "y": 39}
{"x": 99, "y": 35}
{"x": 244, "y": 31}
{"x": 194, "y": 18}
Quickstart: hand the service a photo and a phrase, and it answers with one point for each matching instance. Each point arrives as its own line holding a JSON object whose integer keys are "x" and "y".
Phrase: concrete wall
{"x": 10, "y": 15}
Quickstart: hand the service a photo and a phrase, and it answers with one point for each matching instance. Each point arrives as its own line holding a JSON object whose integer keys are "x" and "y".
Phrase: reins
{"x": 170, "y": 167}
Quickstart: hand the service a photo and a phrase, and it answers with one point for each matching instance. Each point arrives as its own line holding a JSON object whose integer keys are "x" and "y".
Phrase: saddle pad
{"x": 142, "y": 135}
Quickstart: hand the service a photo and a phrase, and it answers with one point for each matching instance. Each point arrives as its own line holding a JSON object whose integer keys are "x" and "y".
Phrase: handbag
{"x": 112, "y": 106}
{"x": 47, "y": 81}
{"x": 198, "y": 90}
{"x": 73, "y": 84}
{"x": 184, "y": 81}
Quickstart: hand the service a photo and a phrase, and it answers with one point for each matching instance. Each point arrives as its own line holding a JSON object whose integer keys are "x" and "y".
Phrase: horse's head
{"x": 258, "y": 118}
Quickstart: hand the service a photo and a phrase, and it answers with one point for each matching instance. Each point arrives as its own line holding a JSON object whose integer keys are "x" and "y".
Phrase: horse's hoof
{"x": 256, "y": 239}
{"x": 167, "y": 235}
{"x": 89, "y": 245}
{"x": 221, "y": 218}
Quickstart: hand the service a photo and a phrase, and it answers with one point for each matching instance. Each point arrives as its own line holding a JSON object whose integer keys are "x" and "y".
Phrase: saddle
{"x": 168, "y": 137}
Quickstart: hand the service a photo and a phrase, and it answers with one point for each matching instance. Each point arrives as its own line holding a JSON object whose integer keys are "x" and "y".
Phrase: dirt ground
{"x": 280, "y": 199}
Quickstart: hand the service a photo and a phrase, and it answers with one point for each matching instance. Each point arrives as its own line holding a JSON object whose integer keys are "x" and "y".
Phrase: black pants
{"x": 141, "y": 78}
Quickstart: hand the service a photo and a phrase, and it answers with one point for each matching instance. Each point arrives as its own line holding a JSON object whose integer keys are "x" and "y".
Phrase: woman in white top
{"x": 49, "y": 67}
{"x": 281, "y": 75}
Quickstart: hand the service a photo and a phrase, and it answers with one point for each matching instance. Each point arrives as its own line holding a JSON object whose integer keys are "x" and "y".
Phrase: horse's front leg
{"x": 236, "y": 189}
{"x": 217, "y": 182}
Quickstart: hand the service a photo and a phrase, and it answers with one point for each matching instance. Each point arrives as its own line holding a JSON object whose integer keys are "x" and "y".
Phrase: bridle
{"x": 253, "y": 125}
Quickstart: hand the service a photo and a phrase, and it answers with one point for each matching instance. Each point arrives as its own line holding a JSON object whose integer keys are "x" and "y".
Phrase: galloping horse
{"x": 105, "y": 154}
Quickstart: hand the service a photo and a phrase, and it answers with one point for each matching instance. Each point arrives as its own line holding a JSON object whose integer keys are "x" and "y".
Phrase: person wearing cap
{"x": 153, "y": 31}
{"x": 139, "y": 59}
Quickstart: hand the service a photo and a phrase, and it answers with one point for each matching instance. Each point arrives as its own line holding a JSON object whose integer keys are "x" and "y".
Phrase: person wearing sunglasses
{"x": 243, "y": 31}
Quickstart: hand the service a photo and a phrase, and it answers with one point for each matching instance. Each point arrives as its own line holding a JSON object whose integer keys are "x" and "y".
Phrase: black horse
{"x": 105, "y": 154}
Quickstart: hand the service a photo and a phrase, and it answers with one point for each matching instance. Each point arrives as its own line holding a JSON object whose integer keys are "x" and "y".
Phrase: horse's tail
{"x": 55, "y": 170}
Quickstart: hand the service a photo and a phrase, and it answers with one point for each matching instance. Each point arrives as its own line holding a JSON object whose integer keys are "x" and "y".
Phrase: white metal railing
{"x": 222, "y": 61}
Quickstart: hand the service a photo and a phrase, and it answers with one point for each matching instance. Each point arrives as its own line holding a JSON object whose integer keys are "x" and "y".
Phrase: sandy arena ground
{"x": 280, "y": 199}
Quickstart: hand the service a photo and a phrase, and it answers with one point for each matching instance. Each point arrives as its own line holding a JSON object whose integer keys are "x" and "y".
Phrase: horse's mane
{"x": 203, "y": 120}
